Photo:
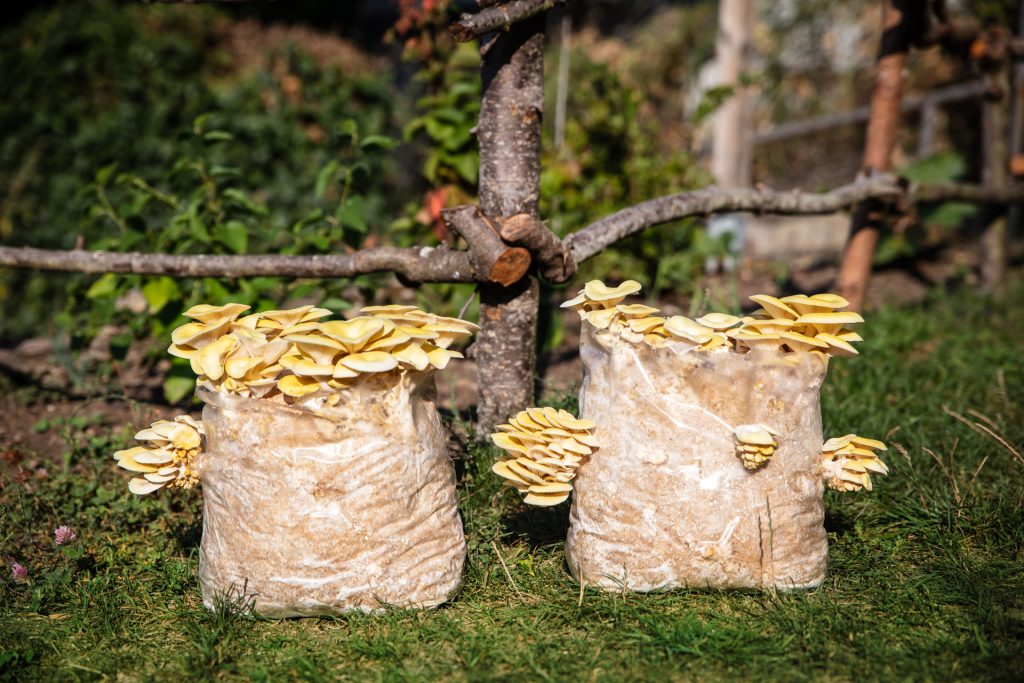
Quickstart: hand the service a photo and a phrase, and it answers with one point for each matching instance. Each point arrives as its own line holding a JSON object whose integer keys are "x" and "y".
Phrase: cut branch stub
{"x": 492, "y": 259}
{"x": 495, "y": 16}
{"x": 554, "y": 262}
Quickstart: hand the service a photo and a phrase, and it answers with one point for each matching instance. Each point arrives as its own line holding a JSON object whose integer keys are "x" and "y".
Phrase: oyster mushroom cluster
{"x": 798, "y": 323}
{"x": 755, "y": 444}
{"x": 167, "y": 456}
{"x": 547, "y": 446}
{"x": 292, "y": 356}
{"x": 849, "y": 461}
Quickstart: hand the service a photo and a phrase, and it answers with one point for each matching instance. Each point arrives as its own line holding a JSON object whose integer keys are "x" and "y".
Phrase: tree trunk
{"x": 731, "y": 143}
{"x": 883, "y": 124}
{"x": 509, "y": 133}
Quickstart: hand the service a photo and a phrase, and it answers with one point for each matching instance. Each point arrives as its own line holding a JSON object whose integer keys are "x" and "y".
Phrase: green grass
{"x": 925, "y": 582}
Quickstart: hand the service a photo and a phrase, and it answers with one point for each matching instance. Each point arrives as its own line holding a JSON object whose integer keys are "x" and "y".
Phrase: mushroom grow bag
{"x": 665, "y": 502}
{"x": 316, "y": 512}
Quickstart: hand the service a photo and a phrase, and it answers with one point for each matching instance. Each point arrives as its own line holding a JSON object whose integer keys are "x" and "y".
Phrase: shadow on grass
{"x": 838, "y": 522}
{"x": 537, "y": 527}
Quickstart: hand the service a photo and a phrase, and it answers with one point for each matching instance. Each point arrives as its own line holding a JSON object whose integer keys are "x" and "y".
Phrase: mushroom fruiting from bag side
{"x": 848, "y": 462}
{"x": 755, "y": 444}
{"x": 167, "y": 456}
{"x": 290, "y": 356}
{"x": 547, "y": 446}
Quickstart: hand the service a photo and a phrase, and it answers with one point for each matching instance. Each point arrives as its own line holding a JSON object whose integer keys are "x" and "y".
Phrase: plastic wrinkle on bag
{"x": 665, "y": 502}
{"x": 317, "y": 511}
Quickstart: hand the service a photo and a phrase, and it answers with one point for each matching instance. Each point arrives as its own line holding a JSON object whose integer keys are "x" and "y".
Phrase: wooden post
{"x": 509, "y": 133}
{"x": 731, "y": 143}
{"x": 995, "y": 153}
{"x": 883, "y": 124}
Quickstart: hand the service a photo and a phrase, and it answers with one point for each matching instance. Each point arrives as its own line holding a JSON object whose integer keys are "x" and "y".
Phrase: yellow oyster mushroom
{"x": 448, "y": 333}
{"x": 292, "y": 316}
{"x": 849, "y": 461}
{"x": 547, "y": 446}
{"x": 211, "y": 358}
{"x": 631, "y": 311}
{"x": 829, "y": 322}
{"x": 595, "y": 290}
{"x": 297, "y": 386}
{"x": 413, "y": 355}
{"x": 439, "y": 357}
{"x": 644, "y": 325}
{"x": 398, "y": 309}
{"x": 169, "y": 457}
{"x": 321, "y": 349}
{"x": 681, "y": 327}
{"x": 775, "y": 308}
{"x": 354, "y": 334}
{"x": 215, "y": 315}
{"x": 769, "y": 325}
{"x": 801, "y": 342}
{"x": 369, "y": 361}
{"x": 719, "y": 321}
{"x": 836, "y": 346}
{"x": 600, "y": 318}
{"x": 755, "y": 444}
{"x": 306, "y": 367}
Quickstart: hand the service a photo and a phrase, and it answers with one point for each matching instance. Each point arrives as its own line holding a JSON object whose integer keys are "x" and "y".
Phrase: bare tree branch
{"x": 494, "y": 260}
{"x": 496, "y": 17}
{"x": 554, "y": 262}
{"x": 597, "y": 236}
{"x": 416, "y": 264}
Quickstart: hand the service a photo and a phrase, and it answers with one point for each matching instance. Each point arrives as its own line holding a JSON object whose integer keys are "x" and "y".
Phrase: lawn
{"x": 925, "y": 579}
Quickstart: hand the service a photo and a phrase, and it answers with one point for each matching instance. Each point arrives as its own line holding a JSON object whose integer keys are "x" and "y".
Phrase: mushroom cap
{"x": 754, "y": 434}
{"x": 412, "y": 354}
{"x": 439, "y": 357}
{"x": 292, "y": 316}
{"x": 636, "y": 310}
{"x": 836, "y": 346}
{"x": 388, "y": 308}
{"x": 579, "y": 300}
{"x": 776, "y": 308}
{"x": 769, "y": 325}
{"x": 681, "y": 327}
{"x": 356, "y": 332}
{"x": 306, "y": 367}
{"x": 297, "y": 386}
{"x": 319, "y": 348}
{"x": 596, "y": 290}
{"x": 719, "y": 321}
{"x": 370, "y": 361}
{"x": 801, "y": 342}
{"x": 832, "y": 317}
{"x": 212, "y": 356}
{"x": 545, "y": 499}
{"x": 215, "y": 315}
{"x": 643, "y": 325}
{"x": 600, "y": 318}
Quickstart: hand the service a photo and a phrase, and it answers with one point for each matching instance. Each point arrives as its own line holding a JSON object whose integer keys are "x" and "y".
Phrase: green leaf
{"x": 937, "y": 168}
{"x": 353, "y": 215}
{"x": 105, "y": 286}
{"x": 466, "y": 165}
{"x": 177, "y": 388}
{"x": 325, "y": 176}
{"x": 218, "y": 136}
{"x": 377, "y": 142}
{"x": 244, "y": 201}
{"x": 233, "y": 235}
{"x": 159, "y": 292}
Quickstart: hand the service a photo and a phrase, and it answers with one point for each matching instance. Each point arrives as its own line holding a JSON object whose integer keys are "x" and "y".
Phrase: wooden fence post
{"x": 509, "y": 133}
{"x": 883, "y": 124}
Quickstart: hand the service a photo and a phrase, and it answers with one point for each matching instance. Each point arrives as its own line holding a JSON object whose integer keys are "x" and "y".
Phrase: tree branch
{"x": 416, "y": 264}
{"x": 495, "y": 17}
{"x": 492, "y": 259}
{"x": 554, "y": 262}
{"x": 597, "y": 236}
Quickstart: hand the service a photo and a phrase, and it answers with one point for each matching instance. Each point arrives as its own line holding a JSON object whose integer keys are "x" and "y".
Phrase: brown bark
{"x": 415, "y": 264}
{"x": 509, "y": 133}
{"x": 554, "y": 262}
{"x": 601, "y": 234}
{"x": 493, "y": 260}
{"x": 995, "y": 158}
{"x": 496, "y": 16}
{"x": 902, "y": 23}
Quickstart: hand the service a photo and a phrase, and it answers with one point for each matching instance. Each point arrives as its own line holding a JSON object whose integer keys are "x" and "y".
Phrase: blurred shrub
{"x": 290, "y": 160}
